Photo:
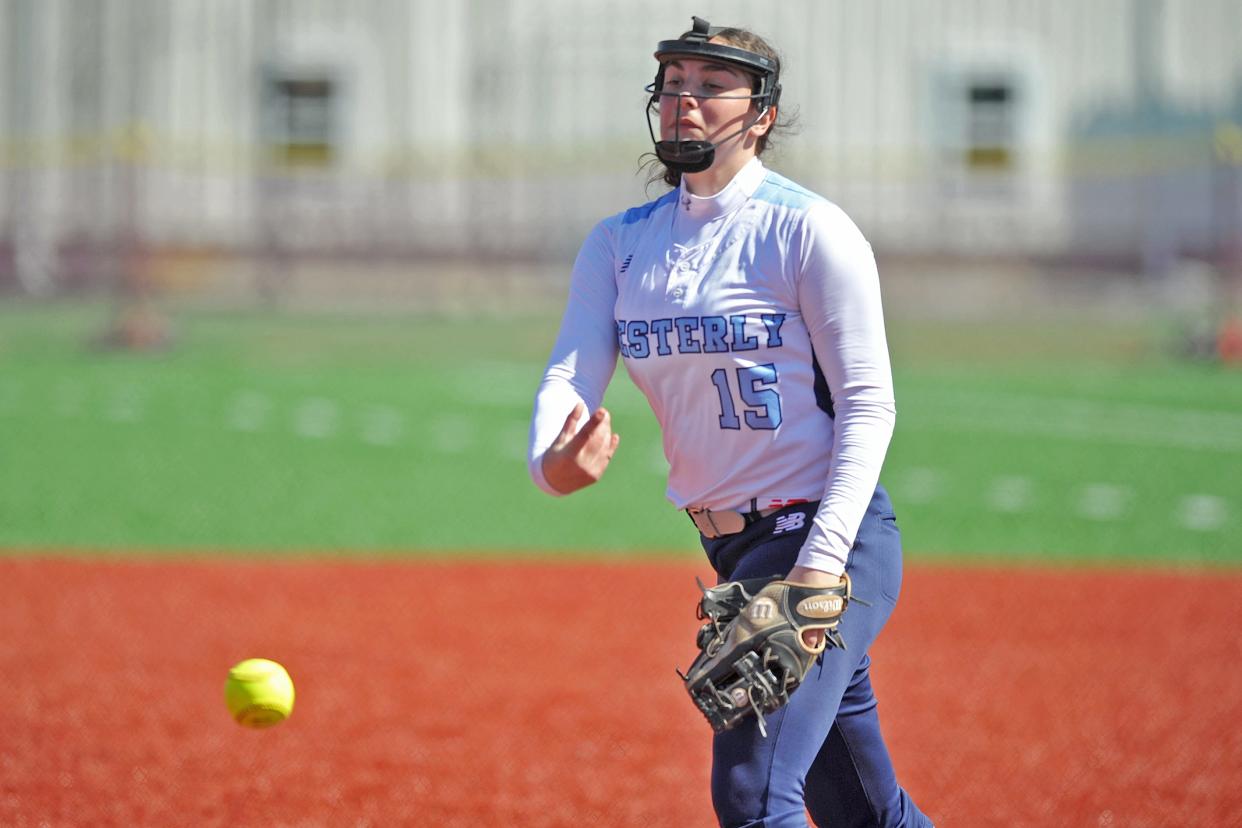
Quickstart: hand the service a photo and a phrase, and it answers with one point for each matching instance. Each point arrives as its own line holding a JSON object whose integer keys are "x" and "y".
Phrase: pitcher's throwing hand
{"x": 578, "y": 458}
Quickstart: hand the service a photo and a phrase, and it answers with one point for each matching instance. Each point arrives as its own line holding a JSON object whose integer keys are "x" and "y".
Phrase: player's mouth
{"x": 684, "y": 128}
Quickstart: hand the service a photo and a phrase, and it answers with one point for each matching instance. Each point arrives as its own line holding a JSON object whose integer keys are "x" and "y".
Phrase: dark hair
{"x": 743, "y": 39}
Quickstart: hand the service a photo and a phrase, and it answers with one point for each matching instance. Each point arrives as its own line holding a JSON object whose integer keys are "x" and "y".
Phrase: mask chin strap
{"x": 690, "y": 156}
{"x": 686, "y": 156}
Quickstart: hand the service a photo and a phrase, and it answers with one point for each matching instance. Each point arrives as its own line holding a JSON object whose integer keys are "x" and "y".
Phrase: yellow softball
{"x": 259, "y": 693}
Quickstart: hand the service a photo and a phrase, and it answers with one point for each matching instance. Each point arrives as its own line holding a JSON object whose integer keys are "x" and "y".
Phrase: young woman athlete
{"x": 747, "y": 310}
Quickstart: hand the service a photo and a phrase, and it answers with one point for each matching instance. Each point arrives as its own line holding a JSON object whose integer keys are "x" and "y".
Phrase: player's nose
{"x": 679, "y": 102}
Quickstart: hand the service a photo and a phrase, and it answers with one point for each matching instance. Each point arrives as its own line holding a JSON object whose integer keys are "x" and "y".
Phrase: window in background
{"x": 299, "y": 117}
{"x": 990, "y": 127}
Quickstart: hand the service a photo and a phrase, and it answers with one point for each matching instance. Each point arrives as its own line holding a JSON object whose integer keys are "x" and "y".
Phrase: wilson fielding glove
{"x": 751, "y": 652}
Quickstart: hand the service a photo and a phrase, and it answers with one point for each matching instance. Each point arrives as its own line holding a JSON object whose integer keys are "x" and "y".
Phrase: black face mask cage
{"x": 696, "y": 156}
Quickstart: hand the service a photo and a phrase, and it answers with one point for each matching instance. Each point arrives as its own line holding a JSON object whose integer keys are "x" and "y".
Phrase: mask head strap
{"x": 695, "y": 156}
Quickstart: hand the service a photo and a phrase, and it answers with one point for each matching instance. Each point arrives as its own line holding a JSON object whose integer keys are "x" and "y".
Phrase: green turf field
{"x": 294, "y": 432}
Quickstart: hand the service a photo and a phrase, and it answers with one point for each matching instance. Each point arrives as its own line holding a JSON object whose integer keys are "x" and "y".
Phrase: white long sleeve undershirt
{"x": 721, "y": 308}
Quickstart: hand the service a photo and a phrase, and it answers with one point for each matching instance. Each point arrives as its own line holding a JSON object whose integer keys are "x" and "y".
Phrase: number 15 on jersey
{"x": 755, "y": 385}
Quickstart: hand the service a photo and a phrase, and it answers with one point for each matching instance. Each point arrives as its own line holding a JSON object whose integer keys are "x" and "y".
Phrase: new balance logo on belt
{"x": 789, "y": 523}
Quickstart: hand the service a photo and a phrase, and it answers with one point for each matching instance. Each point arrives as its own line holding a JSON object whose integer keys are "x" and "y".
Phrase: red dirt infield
{"x": 543, "y": 694}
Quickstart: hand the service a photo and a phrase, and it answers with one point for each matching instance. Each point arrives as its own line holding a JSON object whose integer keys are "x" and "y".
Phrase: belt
{"x": 725, "y": 522}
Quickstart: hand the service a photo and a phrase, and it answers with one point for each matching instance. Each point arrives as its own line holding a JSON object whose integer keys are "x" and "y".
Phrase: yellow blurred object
{"x": 259, "y": 693}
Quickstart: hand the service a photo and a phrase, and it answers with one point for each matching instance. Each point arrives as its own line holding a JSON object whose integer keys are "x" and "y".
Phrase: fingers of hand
{"x": 813, "y": 640}
{"x": 596, "y": 443}
{"x": 595, "y": 434}
{"x": 570, "y": 429}
{"x": 579, "y": 457}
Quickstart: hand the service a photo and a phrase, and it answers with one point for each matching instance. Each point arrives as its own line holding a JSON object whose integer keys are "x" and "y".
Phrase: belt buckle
{"x": 702, "y": 520}
{"x": 706, "y": 521}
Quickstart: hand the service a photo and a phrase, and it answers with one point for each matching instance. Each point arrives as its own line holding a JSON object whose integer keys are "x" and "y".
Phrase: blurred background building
{"x": 278, "y": 148}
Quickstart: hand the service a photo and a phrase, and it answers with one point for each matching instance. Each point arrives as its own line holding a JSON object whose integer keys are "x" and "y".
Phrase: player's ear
{"x": 763, "y": 124}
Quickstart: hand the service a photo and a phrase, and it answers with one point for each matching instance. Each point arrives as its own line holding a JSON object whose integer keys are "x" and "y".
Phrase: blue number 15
{"x": 763, "y": 403}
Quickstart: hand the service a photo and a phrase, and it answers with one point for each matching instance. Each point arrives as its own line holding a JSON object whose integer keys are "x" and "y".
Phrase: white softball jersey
{"x": 752, "y": 322}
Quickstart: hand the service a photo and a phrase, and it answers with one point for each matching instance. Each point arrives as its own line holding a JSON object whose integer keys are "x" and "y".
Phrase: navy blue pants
{"x": 824, "y": 752}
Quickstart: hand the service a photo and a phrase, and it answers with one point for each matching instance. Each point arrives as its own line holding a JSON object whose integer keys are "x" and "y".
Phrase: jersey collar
{"x": 736, "y": 193}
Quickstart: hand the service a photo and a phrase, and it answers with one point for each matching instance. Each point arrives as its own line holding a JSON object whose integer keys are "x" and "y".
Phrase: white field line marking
{"x": 1202, "y": 513}
{"x": 123, "y": 405}
{"x": 69, "y": 398}
{"x": 513, "y": 437}
{"x": 1128, "y": 424}
{"x": 1103, "y": 501}
{"x": 920, "y": 485}
{"x": 1010, "y": 494}
{"x": 316, "y": 418}
{"x": 451, "y": 436}
{"x": 382, "y": 425}
{"x": 504, "y": 384}
{"x": 248, "y": 411}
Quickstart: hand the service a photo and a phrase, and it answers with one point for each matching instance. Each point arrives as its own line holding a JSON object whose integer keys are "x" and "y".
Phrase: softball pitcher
{"x": 747, "y": 310}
